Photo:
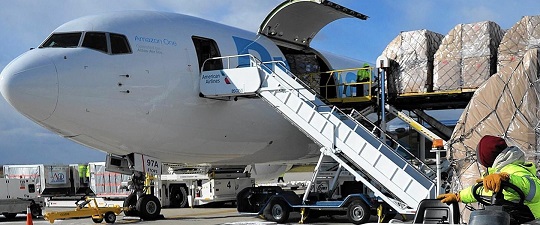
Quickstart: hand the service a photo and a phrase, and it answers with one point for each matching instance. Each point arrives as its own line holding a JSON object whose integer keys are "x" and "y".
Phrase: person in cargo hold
{"x": 504, "y": 163}
{"x": 362, "y": 76}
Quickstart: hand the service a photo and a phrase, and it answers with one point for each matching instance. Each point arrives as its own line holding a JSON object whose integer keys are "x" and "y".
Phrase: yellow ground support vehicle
{"x": 87, "y": 208}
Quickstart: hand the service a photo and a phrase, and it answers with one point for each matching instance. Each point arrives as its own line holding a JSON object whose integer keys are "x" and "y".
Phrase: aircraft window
{"x": 63, "y": 40}
{"x": 119, "y": 44}
{"x": 95, "y": 40}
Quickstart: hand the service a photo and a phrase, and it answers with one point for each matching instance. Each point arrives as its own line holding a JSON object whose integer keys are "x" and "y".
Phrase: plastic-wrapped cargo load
{"x": 467, "y": 56}
{"x": 107, "y": 184}
{"x": 507, "y": 105}
{"x": 306, "y": 67}
{"x": 411, "y": 68}
{"x": 524, "y": 35}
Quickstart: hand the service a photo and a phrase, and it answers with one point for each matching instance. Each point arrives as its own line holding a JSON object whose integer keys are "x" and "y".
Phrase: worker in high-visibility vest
{"x": 83, "y": 173}
{"x": 504, "y": 163}
{"x": 362, "y": 75}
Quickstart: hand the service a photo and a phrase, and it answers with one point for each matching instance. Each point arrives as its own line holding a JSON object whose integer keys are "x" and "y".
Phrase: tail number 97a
{"x": 147, "y": 164}
{"x": 152, "y": 163}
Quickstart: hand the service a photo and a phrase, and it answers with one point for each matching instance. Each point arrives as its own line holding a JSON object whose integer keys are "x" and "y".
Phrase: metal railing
{"x": 337, "y": 84}
{"x": 400, "y": 150}
{"x": 226, "y": 60}
{"x": 344, "y": 83}
{"x": 394, "y": 145}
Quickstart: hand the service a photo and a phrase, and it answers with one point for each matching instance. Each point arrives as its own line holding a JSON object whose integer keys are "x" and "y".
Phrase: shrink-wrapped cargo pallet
{"x": 306, "y": 67}
{"x": 411, "y": 68}
{"x": 467, "y": 56}
{"x": 524, "y": 35}
{"x": 107, "y": 184}
{"x": 507, "y": 105}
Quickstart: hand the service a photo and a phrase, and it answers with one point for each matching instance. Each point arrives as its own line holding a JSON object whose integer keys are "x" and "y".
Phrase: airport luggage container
{"x": 17, "y": 195}
{"x": 107, "y": 184}
{"x": 50, "y": 180}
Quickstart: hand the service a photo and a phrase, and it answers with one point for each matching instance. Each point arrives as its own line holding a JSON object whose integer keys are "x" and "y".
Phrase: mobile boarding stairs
{"x": 402, "y": 182}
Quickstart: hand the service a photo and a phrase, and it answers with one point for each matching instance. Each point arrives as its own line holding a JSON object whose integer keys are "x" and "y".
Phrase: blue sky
{"x": 25, "y": 24}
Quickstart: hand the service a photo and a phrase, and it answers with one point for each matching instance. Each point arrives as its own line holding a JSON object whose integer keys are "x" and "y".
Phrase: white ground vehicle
{"x": 16, "y": 195}
{"x": 50, "y": 180}
{"x": 201, "y": 185}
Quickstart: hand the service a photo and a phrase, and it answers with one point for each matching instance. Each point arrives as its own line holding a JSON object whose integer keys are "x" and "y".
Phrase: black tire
{"x": 148, "y": 207}
{"x": 178, "y": 197}
{"x": 36, "y": 211}
{"x": 97, "y": 220}
{"x": 388, "y": 217}
{"x": 278, "y": 211}
{"x": 358, "y": 212}
{"x": 131, "y": 203}
{"x": 110, "y": 217}
{"x": 10, "y": 216}
{"x": 313, "y": 214}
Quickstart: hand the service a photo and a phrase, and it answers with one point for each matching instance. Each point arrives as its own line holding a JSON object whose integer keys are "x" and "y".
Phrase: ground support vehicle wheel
{"x": 178, "y": 197}
{"x": 36, "y": 210}
{"x": 110, "y": 217}
{"x": 278, "y": 211}
{"x": 358, "y": 212}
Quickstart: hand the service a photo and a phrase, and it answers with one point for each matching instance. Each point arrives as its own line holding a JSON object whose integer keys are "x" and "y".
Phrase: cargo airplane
{"x": 127, "y": 83}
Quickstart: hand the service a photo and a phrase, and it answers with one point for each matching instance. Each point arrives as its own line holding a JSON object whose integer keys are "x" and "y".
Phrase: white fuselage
{"x": 147, "y": 101}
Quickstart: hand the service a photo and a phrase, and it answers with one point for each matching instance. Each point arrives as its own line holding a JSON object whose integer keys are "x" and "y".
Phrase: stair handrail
{"x": 251, "y": 59}
{"x": 283, "y": 67}
{"x": 413, "y": 159}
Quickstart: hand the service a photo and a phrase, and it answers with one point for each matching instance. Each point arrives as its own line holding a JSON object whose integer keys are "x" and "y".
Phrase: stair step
{"x": 351, "y": 140}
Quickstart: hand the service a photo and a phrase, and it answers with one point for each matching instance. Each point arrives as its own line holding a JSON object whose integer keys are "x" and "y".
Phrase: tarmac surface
{"x": 195, "y": 216}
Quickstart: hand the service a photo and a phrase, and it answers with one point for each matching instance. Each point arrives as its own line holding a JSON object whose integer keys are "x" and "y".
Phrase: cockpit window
{"x": 63, "y": 40}
{"x": 95, "y": 40}
{"x": 119, "y": 44}
{"x": 108, "y": 43}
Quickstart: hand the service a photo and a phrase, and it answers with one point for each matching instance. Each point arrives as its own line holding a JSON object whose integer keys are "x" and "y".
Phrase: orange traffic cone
{"x": 29, "y": 217}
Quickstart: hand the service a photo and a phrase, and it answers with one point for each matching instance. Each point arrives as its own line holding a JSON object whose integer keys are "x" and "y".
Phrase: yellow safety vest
{"x": 524, "y": 177}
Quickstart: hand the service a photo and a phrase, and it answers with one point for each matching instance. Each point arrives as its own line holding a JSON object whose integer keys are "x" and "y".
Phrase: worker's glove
{"x": 449, "y": 198}
{"x": 493, "y": 181}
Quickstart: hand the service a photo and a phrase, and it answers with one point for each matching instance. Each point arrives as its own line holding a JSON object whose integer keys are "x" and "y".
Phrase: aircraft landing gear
{"x": 140, "y": 204}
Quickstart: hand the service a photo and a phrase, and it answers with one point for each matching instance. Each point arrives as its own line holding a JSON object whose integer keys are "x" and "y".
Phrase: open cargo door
{"x": 296, "y": 22}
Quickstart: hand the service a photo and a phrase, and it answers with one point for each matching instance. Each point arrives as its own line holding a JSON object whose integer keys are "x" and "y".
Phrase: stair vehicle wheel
{"x": 110, "y": 217}
{"x": 358, "y": 212}
{"x": 97, "y": 220}
{"x": 148, "y": 207}
{"x": 279, "y": 211}
{"x": 131, "y": 200}
{"x": 9, "y": 216}
{"x": 313, "y": 214}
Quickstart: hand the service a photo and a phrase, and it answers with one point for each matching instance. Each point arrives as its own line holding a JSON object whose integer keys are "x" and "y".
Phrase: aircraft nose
{"x": 30, "y": 84}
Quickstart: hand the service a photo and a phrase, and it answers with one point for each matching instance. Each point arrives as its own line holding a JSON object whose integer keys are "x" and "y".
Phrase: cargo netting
{"x": 411, "y": 61}
{"x": 467, "y": 56}
{"x": 524, "y": 35}
{"x": 506, "y": 106}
